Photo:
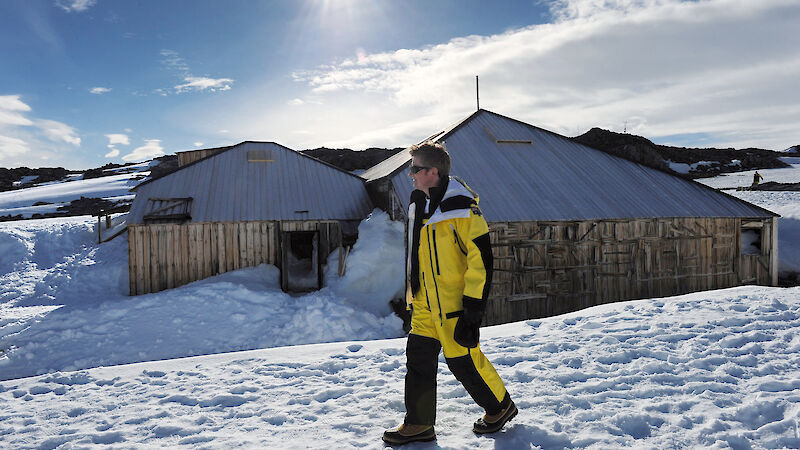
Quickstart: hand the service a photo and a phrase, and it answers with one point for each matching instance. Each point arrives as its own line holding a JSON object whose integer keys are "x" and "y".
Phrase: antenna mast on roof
{"x": 477, "y": 93}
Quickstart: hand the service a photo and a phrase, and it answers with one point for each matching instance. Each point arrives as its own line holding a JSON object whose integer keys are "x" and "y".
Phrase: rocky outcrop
{"x": 643, "y": 151}
{"x": 350, "y": 160}
{"x": 44, "y": 174}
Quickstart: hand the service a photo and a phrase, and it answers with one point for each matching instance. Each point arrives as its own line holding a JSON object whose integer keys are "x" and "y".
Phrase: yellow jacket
{"x": 455, "y": 256}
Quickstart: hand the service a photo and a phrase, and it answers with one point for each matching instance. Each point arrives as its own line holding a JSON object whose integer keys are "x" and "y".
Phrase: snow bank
{"x": 89, "y": 320}
{"x": 705, "y": 370}
{"x": 375, "y": 266}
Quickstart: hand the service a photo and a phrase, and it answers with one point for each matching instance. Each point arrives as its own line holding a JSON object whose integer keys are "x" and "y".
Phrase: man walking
{"x": 756, "y": 179}
{"x": 450, "y": 272}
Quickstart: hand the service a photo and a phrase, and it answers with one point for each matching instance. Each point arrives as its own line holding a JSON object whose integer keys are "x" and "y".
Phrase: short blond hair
{"x": 433, "y": 154}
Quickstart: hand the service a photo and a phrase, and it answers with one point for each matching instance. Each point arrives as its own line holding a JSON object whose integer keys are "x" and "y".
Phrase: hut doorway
{"x": 301, "y": 270}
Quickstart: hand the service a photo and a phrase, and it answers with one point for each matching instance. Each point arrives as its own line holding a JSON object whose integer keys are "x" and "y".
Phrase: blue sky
{"x": 87, "y": 82}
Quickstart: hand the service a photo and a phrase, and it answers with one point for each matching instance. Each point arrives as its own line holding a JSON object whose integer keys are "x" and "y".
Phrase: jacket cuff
{"x": 473, "y": 304}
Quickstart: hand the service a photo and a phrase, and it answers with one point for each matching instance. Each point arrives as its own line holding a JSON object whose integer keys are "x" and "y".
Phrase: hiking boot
{"x": 409, "y": 433}
{"x": 494, "y": 422}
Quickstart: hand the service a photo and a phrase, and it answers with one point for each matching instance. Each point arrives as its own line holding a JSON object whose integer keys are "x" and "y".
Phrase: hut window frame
{"x": 260, "y": 156}
{"x": 168, "y": 210}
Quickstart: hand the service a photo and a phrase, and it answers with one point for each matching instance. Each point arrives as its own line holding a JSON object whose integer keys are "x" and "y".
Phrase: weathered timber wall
{"x": 164, "y": 256}
{"x": 543, "y": 269}
{"x": 189, "y": 157}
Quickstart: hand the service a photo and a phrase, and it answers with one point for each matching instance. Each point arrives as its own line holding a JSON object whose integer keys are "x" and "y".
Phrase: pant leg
{"x": 422, "y": 362}
{"x": 471, "y": 367}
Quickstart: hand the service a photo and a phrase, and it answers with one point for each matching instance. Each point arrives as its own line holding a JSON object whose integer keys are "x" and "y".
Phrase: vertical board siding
{"x": 164, "y": 256}
{"x": 548, "y": 268}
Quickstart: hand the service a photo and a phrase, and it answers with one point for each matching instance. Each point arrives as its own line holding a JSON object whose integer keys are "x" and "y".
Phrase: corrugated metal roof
{"x": 399, "y": 160}
{"x": 522, "y": 172}
{"x": 280, "y": 184}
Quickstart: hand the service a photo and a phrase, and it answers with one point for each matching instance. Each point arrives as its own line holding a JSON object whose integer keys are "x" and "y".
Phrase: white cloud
{"x": 198, "y": 144}
{"x": 175, "y": 63}
{"x": 75, "y": 5}
{"x": 99, "y": 90}
{"x": 151, "y": 149}
{"x": 58, "y": 132}
{"x": 724, "y": 67}
{"x": 10, "y": 146}
{"x": 114, "y": 139}
{"x": 27, "y": 140}
{"x": 204, "y": 83}
{"x": 13, "y": 103}
{"x": 295, "y": 102}
{"x": 11, "y": 109}
{"x": 113, "y": 153}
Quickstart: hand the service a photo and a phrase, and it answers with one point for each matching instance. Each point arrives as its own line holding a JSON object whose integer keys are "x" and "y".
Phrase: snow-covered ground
{"x": 707, "y": 370}
{"x": 716, "y": 369}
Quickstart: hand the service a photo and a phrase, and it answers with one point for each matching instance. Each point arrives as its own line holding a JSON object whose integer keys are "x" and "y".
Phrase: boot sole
{"x": 499, "y": 424}
{"x": 409, "y": 440}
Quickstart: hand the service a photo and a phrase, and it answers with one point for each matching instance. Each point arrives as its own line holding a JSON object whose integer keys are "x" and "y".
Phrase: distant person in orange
{"x": 756, "y": 179}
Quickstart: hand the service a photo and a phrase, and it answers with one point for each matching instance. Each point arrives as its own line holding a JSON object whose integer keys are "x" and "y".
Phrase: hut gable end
{"x": 258, "y": 181}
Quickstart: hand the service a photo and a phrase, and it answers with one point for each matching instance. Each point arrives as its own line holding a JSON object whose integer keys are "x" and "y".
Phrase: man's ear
{"x": 436, "y": 169}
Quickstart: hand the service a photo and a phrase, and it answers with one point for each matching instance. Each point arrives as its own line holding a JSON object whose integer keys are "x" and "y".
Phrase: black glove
{"x": 467, "y": 331}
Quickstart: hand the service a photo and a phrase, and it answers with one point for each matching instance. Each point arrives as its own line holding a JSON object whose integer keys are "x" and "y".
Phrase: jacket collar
{"x": 453, "y": 187}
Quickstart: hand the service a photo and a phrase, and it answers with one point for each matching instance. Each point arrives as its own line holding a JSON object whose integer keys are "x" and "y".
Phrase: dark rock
{"x": 166, "y": 164}
{"x": 43, "y": 174}
{"x": 774, "y": 186}
{"x": 86, "y": 206}
{"x": 349, "y": 160}
{"x": 643, "y": 151}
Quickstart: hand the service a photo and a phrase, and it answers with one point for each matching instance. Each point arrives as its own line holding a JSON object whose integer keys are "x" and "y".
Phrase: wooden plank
{"x": 234, "y": 234}
{"x": 169, "y": 254}
{"x": 155, "y": 275}
{"x": 227, "y": 230}
{"x": 251, "y": 245}
{"x": 195, "y": 254}
{"x": 143, "y": 250}
{"x": 162, "y": 256}
{"x": 183, "y": 255}
{"x": 210, "y": 241}
{"x": 263, "y": 243}
{"x": 132, "y": 265}
{"x": 219, "y": 232}
{"x": 773, "y": 251}
{"x": 242, "y": 245}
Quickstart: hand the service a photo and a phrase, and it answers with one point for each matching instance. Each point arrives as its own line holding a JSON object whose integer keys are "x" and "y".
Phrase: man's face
{"x": 425, "y": 178}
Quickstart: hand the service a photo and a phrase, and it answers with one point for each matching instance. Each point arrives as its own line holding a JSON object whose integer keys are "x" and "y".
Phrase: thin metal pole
{"x": 477, "y": 93}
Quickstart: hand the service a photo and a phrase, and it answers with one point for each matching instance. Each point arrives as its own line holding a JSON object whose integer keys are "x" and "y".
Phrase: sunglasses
{"x": 415, "y": 169}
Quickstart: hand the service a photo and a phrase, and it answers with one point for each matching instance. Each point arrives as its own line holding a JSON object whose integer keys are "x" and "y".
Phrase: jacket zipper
{"x": 436, "y": 250}
{"x": 435, "y": 284}
{"x": 427, "y": 299}
{"x": 457, "y": 240}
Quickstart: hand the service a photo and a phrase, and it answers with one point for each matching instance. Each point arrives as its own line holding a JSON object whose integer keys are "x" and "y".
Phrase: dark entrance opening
{"x": 301, "y": 271}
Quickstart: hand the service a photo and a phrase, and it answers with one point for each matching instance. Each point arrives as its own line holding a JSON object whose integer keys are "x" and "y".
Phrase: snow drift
{"x": 64, "y": 303}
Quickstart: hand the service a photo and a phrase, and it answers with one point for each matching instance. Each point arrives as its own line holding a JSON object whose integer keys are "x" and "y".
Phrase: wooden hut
{"x": 573, "y": 227}
{"x": 241, "y": 206}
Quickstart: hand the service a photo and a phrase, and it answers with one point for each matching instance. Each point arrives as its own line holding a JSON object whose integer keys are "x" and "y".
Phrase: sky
{"x": 89, "y": 82}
